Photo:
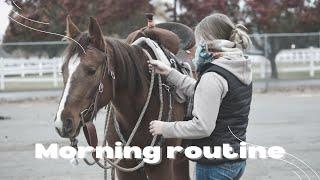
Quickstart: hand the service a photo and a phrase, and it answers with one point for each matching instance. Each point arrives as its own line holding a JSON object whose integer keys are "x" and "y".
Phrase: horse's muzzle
{"x": 67, "y": 128}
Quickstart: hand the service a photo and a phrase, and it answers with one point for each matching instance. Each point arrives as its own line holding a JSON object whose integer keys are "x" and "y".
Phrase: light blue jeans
{"x": 226, "y": 171}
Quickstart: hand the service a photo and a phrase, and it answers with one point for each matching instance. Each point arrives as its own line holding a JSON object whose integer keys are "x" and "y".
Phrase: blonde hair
{"x": 219, "y": 26}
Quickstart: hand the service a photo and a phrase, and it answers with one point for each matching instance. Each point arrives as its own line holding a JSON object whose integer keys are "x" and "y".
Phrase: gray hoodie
{"x": 208, "y": 95}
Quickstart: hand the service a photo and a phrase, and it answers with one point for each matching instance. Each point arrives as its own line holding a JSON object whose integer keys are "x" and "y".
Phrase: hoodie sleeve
{"x": 209, "y": 93}
{"x": 182, "y": 82}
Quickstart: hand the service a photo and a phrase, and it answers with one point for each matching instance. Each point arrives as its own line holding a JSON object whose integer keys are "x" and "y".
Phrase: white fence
{"x": 299, "y": 60}
{"x": 260, "y": 65}
{"x": 48, "y": 70}
{"x": 289, "y": 60}
{"x": 31, "y": 70}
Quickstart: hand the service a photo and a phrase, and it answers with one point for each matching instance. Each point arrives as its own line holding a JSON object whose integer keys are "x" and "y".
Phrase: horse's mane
{"x": 129, "y": 64}
{"x": 128, "y": 61}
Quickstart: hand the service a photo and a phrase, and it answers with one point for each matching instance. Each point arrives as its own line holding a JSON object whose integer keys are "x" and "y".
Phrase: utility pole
{"x": 174, "y": 10}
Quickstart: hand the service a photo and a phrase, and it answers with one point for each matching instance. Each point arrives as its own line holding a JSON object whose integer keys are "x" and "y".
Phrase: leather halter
{"x": 88, "y": 126}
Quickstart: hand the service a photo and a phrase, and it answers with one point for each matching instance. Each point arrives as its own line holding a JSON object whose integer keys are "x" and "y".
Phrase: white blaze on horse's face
{"x": 72, "y": 67}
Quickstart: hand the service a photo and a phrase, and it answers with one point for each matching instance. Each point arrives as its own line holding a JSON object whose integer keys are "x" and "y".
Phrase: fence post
{"x": 319, "y": 39}
{"x": 22, "y": 69}
{"x": 2, "y": 83}
{"x": 266, "y": 70}
{"x": 262, "y": 69}
{"x": 55, "y": 76}
{"x": 311, "y": 67}
{"x": 40, "y": 68}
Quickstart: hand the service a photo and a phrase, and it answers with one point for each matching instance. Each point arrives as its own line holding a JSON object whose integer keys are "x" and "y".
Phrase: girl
{"x": 222, "y": 96}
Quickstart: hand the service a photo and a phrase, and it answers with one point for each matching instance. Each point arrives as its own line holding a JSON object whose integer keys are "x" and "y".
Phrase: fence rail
{"x": 288, "y": 61}
{"x": 31, "y": 70}
{"x": 48, "y": 70}
{"x": 297, "y": 55}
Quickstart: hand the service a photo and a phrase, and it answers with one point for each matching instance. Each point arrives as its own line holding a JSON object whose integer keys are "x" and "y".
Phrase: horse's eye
{"x": 91, "y": 72}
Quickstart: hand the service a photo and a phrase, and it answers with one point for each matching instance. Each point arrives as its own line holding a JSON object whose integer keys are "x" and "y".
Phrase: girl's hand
{"x": 159, "y": 67}
{"x": 155, "y": 127}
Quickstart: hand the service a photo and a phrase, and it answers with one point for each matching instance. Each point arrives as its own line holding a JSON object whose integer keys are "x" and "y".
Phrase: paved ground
{"x": 290, "y": 120}
{"x": 259, "y": 86}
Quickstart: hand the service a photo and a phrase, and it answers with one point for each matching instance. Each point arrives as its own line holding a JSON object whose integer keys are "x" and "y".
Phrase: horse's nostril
{"x": 68, "y": 124}
{"x": 58, "y": 131}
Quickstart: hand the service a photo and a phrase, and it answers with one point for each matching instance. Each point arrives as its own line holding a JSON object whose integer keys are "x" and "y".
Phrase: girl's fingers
{"x": 152, "y": 62}
{"x": 152, "y": 131}
{"x": 150, "y": 68}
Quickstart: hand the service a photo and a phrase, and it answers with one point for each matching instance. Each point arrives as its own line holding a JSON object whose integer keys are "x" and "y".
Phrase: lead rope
{"x": 114, "y": 165}
{"x": 141, "y": 164}
{"x": 110, "y": 112}
{"x": 105, "y": 171}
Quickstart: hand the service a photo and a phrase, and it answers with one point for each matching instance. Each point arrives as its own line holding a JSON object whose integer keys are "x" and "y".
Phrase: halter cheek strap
{"x": 88, "y": 127}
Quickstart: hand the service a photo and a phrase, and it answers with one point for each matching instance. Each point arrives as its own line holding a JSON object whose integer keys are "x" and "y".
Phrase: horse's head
{"x": 83, "y": 71}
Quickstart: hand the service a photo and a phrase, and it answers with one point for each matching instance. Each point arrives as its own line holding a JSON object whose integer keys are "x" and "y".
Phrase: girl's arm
{"x": 208, "y": 95}
{"x": 183, "y": 82}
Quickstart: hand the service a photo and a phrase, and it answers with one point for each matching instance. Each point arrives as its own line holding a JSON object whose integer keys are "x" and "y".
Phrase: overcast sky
{"x": 4, "y": 21}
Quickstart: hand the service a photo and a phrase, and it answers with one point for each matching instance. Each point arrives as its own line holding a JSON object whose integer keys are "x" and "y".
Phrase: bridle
{"x": 90, "y": 130}
{"x": 88, "y": 127}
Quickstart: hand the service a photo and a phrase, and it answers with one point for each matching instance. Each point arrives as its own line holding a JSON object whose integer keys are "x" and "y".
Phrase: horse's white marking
{"x": 72, "y": 66}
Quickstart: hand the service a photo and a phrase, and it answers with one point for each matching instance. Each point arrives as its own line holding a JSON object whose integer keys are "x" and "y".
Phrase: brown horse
{"x": 125, "y": 86}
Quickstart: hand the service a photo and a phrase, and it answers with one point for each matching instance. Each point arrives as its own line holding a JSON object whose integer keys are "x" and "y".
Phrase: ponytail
{"x": 220, "y": 26}
{"x": 240, "y": 36}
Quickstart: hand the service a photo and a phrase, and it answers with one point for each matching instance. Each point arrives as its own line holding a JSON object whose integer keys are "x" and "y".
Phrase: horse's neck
{"x": 128, "y": 108}
{"x": 129, "y": 104}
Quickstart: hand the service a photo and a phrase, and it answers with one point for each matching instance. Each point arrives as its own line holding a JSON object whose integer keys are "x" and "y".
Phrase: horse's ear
{"x": 96, "y": 35}
{"x": 72, "y": 30}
